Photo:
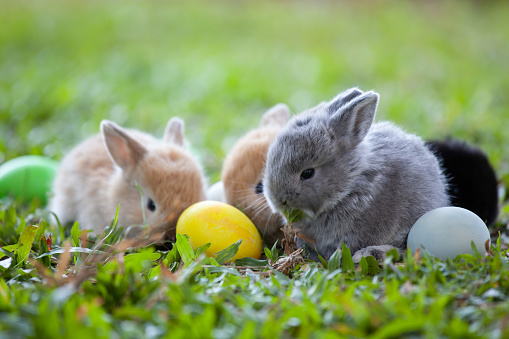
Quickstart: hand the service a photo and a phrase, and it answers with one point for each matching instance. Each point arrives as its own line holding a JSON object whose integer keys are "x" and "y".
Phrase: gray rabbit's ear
{"x": 123, "y": 150}
{"x": 174, "y": 132}
{"x": 276, "y": 116}
{"x": 343, "y": 99}
{"x": 353, "y": 120}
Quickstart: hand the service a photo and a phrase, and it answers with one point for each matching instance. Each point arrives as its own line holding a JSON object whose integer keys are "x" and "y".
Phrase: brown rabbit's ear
{"x": 174, "y": 132}
{"x": 276, "y": 116}
{"x": 123, "y": 150}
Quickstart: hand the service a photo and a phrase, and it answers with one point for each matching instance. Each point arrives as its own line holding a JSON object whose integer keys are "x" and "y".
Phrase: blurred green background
{"x": 441, "y": 68}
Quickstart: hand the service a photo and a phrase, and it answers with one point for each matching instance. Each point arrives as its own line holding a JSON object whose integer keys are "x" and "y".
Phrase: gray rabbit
{"x": 355, "y": 181}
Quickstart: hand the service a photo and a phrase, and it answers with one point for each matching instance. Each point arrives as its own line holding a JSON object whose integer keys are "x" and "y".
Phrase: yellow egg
{"x": 221, "y": 225}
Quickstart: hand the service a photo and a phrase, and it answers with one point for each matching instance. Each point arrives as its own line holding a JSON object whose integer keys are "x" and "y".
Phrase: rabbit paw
{"x": 377, "y": 251}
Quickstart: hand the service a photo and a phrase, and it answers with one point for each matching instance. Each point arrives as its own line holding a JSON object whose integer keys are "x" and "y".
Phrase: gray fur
{"x": 372, "y": 181}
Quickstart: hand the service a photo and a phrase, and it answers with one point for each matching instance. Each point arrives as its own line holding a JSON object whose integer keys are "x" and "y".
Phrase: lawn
{"x": 440, "y": 68}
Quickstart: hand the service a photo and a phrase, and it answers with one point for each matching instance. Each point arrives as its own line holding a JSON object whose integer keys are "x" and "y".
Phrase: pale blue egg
{"x": 447, "y": 232}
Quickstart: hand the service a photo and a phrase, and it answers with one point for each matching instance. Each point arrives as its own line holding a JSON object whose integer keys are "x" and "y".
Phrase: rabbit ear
{"x": 354, "y": 119}
{"x": 123, "y": 150}
{"x": 343, "y": 99}
{"x": 174, "y": 132}
{"x": 276, "y": 116}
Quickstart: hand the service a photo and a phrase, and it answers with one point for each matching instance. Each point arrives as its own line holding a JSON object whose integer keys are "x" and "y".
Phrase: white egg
{"x": 447, "y": 232}
{"x": 216, "y": 192}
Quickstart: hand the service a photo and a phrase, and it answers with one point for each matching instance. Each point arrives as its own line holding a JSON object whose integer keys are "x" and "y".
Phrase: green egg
{"x": 28, "y": 177}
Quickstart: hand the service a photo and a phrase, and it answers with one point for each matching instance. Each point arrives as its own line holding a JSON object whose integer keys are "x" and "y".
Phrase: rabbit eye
{"x": 151, "y": 205}
{"x": 307, "y": 174}
{"x": 259, "y": 188}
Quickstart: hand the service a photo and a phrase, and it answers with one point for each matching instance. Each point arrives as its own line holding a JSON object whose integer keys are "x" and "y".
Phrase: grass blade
{"x": 201, "y": 249}
{"x": 334, "y": 261}
{"x": 373, "y": 267}
{"x": 185, "y": 250}
{"x": 228, "y": 253}
{"x": 75, "y": 234}
{"x": 268, "y": 253}
{"x": 40, "y": 230}
{"x": 274, "y": 252}
{"x": 347, "y": 259}
{"x": 251, "y": 262}
{"x": 26, "y": 240}
{"x": 71, "y": 250}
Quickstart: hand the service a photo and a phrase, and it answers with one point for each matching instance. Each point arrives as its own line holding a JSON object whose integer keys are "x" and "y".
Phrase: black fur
{"x": 472, "y": 180}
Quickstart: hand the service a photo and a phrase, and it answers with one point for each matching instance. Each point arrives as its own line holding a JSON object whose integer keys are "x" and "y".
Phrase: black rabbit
{"x": 472, "y": 183}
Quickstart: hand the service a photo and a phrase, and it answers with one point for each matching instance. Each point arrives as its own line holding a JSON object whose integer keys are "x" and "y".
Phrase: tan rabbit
{"x": 243, "y": 171}
{"x": 103, "y": 172}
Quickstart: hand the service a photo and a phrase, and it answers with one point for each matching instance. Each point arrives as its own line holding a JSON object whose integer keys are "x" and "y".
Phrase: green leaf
{"x": 75, "y": 234}
{"x": 115, "y": 219}
{"x": 228, "y": 253}
{"x": 201, "y": 249}
{"x": 184, "y": 248}
{"x": 251, "y": 262}
{"x": 474, "y": 249}
{"x": 60, "y": 229}
{"x": 322, "y": 259}
{"x": 71, "y": 250}
{"x": 369, "y": 266}
{"x": 398, "y": 327}
{"x": 137, "y": 261}
{"x": 394, "y": 253}
{"x": 43, "y": 248}
{"x": 364, "y": 266}
{"x": 334, "y": 261}
{"x": 155, "y": 272}
{"x": 113, "y": 235}
{"x": 373, "y": 267}
{"x": 40, "y": 230}
{"x": 10, "y": 248}
{"x": 293, "y": 215}
{"x": 222, "y": 269}
{"x": 26, "y": 240}
{"x": 274, "y": 252}
{"x": 268, "y": 253}
{"x": 348, "y": 265}
{"x": 75, "y": 239}
{"x": 22, "y": 223}
{"x": 173, "y": 256}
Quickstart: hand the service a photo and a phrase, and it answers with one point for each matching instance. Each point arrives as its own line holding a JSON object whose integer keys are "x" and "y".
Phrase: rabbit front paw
{"x": 376, "y": 251}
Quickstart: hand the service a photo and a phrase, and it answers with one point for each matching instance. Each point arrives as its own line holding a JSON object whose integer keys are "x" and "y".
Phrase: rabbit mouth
{"x": 290, "y": 213}
{"x": 293, "y": 214}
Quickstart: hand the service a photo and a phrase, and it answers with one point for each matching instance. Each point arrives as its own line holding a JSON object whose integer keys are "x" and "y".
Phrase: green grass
{"x": 440, "y": 67}
{"x": 64, "y": 66}
{"x": 113, "y": 288}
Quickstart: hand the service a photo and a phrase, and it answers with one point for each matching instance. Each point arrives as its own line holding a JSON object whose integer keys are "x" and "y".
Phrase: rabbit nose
{"x": 284, "y": 202}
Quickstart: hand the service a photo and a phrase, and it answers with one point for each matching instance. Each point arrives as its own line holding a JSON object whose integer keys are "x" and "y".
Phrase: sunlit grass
{"x": 64, "y": 66}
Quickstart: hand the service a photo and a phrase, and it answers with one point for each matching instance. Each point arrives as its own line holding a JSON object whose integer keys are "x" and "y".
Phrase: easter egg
{"x": 27, "y": 177}
{"x": 446, "y": 232}
{"x": 220, "y": 225}
{"x": 216, "y": 192}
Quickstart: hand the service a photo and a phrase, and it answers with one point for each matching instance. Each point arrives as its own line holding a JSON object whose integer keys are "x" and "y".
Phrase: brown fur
{"x": 89, "y": 187}
{"x": 243, "y": 171}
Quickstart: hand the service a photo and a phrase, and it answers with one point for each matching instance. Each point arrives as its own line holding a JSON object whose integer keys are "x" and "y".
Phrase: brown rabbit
{"x": 243, "y": 171}
{"x": 104, "y": 170}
